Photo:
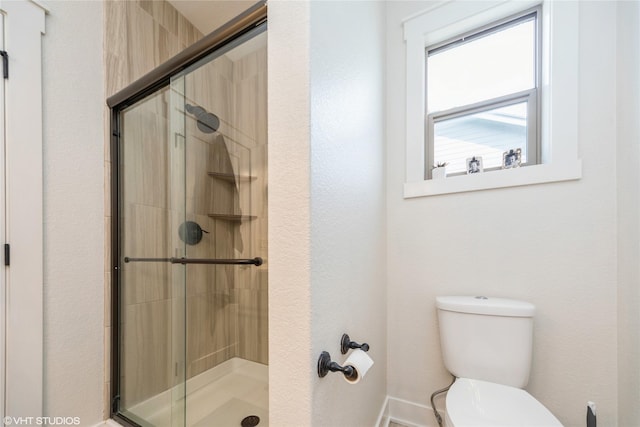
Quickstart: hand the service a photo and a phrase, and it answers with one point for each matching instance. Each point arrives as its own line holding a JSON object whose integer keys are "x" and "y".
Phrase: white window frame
{"x": 529, "y": 96}
{"x": 558, "y": 93}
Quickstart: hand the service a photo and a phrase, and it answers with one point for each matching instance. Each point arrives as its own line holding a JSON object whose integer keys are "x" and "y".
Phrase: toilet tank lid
{"x": 486, "y": 305}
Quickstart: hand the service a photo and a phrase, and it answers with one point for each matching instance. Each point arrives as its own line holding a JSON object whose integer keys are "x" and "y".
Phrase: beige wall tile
{"x": 168, "y": 44}
{"x": 118, "y": 72}
{"x": 107, "y": 241}
{"x": 145, "y": 231}
{"x": 107, "y": 353}
{"x": 147, "y": 364}
{"x": 107, "y": 193}
{"x": 141, "y": 45}
{"x": 106, "y": 410}
{"x": 170, "y": 18}
{"x": 107, "y": 300}
{"x": 253, "y": 325}
{"x": 116, "y": 29}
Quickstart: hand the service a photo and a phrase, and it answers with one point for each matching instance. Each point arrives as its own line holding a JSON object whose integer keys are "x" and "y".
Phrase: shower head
{"x": 207, "y": 122}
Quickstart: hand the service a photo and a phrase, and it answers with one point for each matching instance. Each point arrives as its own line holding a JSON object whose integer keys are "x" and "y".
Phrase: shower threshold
{"x": 223, "y": 396}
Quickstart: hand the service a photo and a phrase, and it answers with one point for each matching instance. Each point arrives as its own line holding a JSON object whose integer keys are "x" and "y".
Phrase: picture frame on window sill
{"x": 474, "y": 165}
{"x": 512, "y": 159}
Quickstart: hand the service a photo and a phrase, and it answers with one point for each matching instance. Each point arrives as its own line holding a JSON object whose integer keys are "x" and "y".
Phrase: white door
{"x": 21, "y": 211}
{"x": 2, "y": 233}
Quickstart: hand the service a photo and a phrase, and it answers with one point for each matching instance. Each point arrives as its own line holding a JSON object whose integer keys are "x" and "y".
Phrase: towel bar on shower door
{"x": 257, "y": 261}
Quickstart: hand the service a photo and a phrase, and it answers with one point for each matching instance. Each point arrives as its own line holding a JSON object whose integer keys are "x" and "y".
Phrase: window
{"x": 482, "y": 95}
{"x": 557, "y": 59}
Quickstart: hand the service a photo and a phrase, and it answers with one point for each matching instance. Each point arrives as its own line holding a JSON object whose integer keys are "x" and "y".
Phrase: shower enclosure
{"x": 190, "y": 244}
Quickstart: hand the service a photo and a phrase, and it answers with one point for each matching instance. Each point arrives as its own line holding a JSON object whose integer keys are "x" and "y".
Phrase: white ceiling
{"x": 208, "y": 15}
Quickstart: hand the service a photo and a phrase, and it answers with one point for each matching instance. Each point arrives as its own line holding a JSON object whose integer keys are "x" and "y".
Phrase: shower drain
{"x": 250, "y": 421}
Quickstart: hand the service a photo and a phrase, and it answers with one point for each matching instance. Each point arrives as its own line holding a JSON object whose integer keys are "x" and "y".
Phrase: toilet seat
{"x": 483, "y": 404}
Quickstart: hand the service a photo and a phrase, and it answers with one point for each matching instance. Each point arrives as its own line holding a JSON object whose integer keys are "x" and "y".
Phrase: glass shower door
{"x": 193, "y": 239}
{"x": 192, "y": 234}
{"x": 220, "y": 112}
{"x": 152, "y": 288}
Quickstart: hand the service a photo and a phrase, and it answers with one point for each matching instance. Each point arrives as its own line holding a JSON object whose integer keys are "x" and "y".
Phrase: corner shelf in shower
{"x": 232, "y": 218}
{"x": 229, "y": 177}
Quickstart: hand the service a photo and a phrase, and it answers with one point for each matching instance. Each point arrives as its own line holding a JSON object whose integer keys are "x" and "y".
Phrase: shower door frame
{"x": 135, "y": 92}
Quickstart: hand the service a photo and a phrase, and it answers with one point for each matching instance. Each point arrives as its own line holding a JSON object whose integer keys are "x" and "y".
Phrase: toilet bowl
{"x": 475, "y": 403}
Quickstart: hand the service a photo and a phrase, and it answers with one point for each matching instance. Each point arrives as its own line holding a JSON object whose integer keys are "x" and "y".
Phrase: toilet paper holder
{"x": 325, "y": 364}
{"x": 346, "y": 344}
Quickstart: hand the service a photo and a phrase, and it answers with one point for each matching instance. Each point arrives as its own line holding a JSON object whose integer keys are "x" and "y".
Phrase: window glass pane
{"x": 487, "y": 134}
{"x": 483, "y": 68}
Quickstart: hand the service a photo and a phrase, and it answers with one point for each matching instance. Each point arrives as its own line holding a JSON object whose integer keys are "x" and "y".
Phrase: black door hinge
{"x": 5, "y": 63}
{"x": 7, "y": 254}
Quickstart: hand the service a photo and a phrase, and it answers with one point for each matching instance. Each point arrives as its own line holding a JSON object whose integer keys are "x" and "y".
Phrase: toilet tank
{"x": 489, "y": 339}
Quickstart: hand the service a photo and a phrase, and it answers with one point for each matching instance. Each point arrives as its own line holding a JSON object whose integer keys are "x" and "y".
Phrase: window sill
{"x": 538, "y": 174}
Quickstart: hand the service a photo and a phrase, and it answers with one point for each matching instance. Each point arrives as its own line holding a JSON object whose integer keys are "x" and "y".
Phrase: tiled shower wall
{"x": 231, "y": 299}
{"x": 226, "y": 306}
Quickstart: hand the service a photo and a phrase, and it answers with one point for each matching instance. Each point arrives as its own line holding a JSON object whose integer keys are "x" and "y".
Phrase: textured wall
{"x": 289, "y": 213}
{"x": 628, "y": 137}
{"x": 348, "y": 244}
{"x": 326, "y": 207}
{"x": 74, "y": 210}
{"x": 556, "y": 241}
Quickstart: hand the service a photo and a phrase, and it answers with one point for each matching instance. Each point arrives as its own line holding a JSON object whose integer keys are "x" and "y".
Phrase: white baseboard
{"x": 383, "y": 416}
{"x": 407, "y": 413}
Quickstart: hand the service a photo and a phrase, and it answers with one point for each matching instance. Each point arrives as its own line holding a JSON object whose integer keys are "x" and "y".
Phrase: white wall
{"x": 74, "y": 211}
{"x": 552, "y": 244}
{"x": 348, "y": 202}
{"x": 326, "y": 207}
{"x": 628, "y": 174}
{"x": 290, "y": 357}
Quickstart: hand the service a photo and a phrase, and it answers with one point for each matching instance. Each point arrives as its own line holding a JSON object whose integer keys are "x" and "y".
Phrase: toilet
{"x": 487, "y": 345}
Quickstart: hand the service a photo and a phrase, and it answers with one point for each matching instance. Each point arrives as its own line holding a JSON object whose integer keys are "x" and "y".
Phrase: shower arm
{"x": 257, "y": 261}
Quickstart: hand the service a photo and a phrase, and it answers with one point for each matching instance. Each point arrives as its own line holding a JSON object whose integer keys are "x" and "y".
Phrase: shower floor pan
{"x": 220, "y": 397}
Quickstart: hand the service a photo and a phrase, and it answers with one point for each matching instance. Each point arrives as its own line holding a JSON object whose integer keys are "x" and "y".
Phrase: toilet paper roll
{"x": 361, "y": 362}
